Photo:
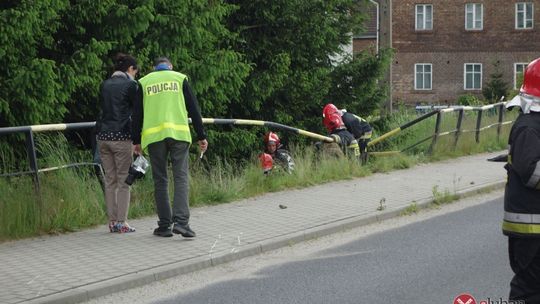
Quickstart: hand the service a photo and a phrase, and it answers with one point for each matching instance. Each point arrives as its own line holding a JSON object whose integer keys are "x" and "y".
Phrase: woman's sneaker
{"x": 124, "y": 228}
{"x": 112, "y": 227}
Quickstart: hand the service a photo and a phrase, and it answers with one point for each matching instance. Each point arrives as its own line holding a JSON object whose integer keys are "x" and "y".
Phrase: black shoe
{"x": 163, "y": 231}
{"x": 184, "y": 230}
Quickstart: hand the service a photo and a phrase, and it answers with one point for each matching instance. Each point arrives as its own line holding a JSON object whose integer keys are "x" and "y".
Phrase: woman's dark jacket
{"x": 117, "y": 95}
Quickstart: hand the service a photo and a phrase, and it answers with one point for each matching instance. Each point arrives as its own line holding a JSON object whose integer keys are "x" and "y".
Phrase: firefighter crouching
{"x": 522, "y": 193}
{"x": 360, "y": 129}
{"x": 336, "y": 128}
{"x": 274, "y": 155}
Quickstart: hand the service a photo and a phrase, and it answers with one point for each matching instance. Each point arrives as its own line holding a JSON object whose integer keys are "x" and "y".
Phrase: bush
{"x": 469, "y": 100}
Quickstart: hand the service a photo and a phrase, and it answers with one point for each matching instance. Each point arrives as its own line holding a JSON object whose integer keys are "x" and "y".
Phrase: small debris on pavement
{"x": 282, "y": 207}
{"x": 381, "y": 204}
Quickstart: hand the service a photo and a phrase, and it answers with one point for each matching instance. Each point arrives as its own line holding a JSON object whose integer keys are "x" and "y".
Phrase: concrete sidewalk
{"x": 78, "y": 266}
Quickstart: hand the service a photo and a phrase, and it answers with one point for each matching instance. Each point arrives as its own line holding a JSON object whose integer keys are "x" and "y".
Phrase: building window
{"x": 473, "y": 76}
{"x": 519, "y": 69}
{"x": 474, "y": 15}
{"x": 424, "y": 17}
{"x": 524, "y": 15}
{"x": 422, "y": 76}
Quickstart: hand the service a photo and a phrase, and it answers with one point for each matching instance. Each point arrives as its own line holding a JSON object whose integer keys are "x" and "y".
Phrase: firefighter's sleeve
{"x": 336, "y": 138}
{"x": 525, "y": 157}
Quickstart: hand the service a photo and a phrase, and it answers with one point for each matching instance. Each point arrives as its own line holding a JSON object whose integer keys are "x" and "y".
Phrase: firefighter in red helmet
{"x": 522, "y": 192}
{"x": 334, "y": 124}
{"x": 274, "y": 155}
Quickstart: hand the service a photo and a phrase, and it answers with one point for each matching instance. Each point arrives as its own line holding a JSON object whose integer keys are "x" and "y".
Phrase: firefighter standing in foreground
{"x": 522, "y": 193}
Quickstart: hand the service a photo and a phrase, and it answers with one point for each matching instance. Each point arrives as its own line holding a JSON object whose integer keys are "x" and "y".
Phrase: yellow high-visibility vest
{"x": 164, "y": 106}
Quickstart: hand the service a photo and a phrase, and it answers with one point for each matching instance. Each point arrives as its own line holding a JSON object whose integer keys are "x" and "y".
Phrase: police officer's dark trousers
{"x": 179, "y": 153}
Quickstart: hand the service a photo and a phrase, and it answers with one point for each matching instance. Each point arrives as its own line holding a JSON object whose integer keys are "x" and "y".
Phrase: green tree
{"x": 267, "y": 60}
{"x": 291, "y": 45}
{"x": 54, "y": 53}
{"x": 355, "y": 82}
{"x": 32, "y": 84}
{"x": 496, "y": 87}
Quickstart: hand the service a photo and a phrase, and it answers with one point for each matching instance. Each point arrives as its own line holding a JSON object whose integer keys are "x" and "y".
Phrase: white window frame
{"x": 475, "y": 7}
{"x": 424, "y": 74}
{"x": 524, "y": 66}
{"x": 473, "y": 74}
{"x": 424, "y": 26}
{"x": 524, "y": 11}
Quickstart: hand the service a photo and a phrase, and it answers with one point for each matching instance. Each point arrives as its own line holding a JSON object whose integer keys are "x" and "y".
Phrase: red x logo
{"x": 464, "y": 299}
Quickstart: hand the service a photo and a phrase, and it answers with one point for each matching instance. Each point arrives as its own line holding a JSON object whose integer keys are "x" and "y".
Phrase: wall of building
{"x": 449, "y": 46}
{"x": 448, "y": 74}
{"x": 360, "y": 44}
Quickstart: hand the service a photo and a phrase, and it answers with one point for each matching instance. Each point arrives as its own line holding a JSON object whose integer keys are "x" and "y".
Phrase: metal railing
{"x": 31, "y": 146}
{"x": 458, "y": 131}
{"x": 35, "y": 170}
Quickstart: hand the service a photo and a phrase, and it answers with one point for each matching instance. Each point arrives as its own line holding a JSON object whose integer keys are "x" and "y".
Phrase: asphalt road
{"x": 430, "y": 258}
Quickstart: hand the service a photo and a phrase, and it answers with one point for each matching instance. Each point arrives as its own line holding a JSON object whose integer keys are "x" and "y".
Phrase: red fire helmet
{"x": 531, "y": 79}
{"x": 267, "y": 163}
{"x": 271, "y": 137}
{"x": 332, "y": 117}
{"x": 528, "y": 98}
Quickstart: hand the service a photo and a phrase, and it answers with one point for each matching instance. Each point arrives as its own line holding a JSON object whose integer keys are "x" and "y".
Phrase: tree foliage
{"x": 254, "y": 59}
{"x": 496, "y": 87}
{"x": 292, "y": 46}
{"x": 54, "y": 53}
{"x": 356, "y": 82}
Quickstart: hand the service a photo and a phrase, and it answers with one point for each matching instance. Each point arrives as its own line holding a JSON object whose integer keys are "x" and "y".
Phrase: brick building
{"x": 446, "y": 49}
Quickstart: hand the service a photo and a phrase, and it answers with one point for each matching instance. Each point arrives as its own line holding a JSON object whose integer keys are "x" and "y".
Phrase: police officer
{"x": 334, "y": 124}
{"x": 160, "y": 119}
{"x": 360, "y": 129}
{"x": 522, "y": 193}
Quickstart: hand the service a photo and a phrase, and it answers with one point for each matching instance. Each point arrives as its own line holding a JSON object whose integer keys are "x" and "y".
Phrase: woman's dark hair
{"x": 123, "y": 61}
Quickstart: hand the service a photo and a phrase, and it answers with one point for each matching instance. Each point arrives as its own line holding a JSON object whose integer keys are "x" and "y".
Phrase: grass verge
{"x": 71, "y": 199}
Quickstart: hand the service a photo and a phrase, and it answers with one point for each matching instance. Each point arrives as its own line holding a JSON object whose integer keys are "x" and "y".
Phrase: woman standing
{"x": 116, "y": 96}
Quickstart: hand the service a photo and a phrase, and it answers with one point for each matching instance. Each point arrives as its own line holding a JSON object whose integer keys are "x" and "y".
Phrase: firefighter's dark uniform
{"x": 522, "y": 207}
{"x": 346, "y": 141}
{"x": 360, "y": 129}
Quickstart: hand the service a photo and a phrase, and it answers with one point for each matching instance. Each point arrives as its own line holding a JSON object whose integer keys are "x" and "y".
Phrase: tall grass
{"x": 70, "y": 199}
{"x": 66, "y": 200}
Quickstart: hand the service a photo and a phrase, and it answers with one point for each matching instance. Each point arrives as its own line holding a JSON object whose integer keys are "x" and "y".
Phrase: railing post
{"x": 501, "y": 118}
{"x": 436, "y": 135}
{"x": 32, "y": 158}
{"x": 458, "y": 127}
{"x": 478, "y": 125}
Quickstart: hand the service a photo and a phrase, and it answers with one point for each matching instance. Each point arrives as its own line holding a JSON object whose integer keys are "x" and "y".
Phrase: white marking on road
{"x": 30, "y": 282}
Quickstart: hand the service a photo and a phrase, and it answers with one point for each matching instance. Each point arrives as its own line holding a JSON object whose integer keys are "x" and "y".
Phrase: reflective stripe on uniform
{"x": 521, "y": 228}
{"x": 535, "y": 177}
{"x": 366, "y": 135}
{"x": 354, "y": 146}
{"x": 166, "y": 125}
{"x": 525, "y": 218}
